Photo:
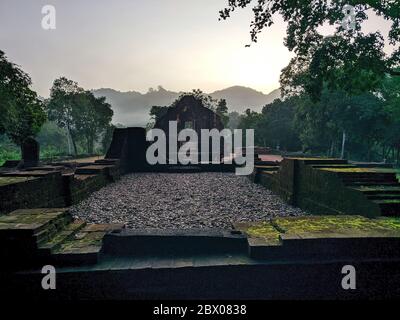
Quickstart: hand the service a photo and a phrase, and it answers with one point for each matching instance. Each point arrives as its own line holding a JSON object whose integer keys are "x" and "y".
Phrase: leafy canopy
{"x": 21, "y": 110}
{"x": 84, "y": 116}
{"x": 349, "y": 60}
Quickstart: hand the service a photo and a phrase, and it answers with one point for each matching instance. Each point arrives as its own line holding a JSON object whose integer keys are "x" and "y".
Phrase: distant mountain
{"x": 132, "y": 108}
{"x": 241, "y": 98}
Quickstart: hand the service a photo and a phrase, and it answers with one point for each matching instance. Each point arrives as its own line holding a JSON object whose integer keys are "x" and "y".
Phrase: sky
{"x": 137, "y": 44}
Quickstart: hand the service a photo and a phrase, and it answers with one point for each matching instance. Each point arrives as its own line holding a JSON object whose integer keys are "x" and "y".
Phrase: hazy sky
{"x": 137, "y": 44}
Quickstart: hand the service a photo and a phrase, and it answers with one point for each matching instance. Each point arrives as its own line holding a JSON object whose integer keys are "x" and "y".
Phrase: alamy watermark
{"x": 349, "y": 280}
{"x": 349, "y": 20}
{"x": 49, "y": 280}
{"x": 48, "y": 21}
{"x": 191, "y": 151}
{"x": 49, "y": 18}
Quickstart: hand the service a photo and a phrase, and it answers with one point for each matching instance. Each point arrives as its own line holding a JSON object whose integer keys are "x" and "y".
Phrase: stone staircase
{"x": 37, "y": 236}
{"x": 332, "y": 186}
{"x": 191, "y": 242}
{"x": 263, "y": 167}
{"x": 380, "y": 186}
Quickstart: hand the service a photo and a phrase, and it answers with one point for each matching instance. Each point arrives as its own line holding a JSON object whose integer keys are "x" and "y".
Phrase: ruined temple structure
{"x": 190, "y": 113}
{"x": 129, "y": 147}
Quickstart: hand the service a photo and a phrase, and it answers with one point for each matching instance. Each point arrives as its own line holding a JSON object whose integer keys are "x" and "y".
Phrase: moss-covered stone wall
{"x": 19, "y": 192}
{"x": 315, "y": 190}
{"x": 47, "y": 189}
{"x": 323, "y": 192}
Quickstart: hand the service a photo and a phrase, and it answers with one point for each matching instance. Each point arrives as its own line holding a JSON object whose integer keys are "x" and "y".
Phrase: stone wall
{"x": 79, "y": 187}
{"x": 44, "y": 188}
{"x": 281, "y": 181}
{"x": 323, "y": 192}
{"x": 20, "y": 191}
{"x": 317, "y": 191}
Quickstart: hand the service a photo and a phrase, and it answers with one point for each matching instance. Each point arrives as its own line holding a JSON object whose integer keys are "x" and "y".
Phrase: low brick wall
{"x": 46, "y": 189}
{"x": 79, "y": 187}
{"x": 316, "y": 191}
{"x": 281, "y": 182}
{"x": 323, "y": 192}
{"x": 20, "y": 192}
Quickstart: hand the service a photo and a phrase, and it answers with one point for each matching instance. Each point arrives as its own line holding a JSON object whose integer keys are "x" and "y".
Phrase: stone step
{"x": 84, "y": 247}
{"x": 92, "y": 169}
{"x": 323, "y": 161}
{"x": 164, "y": 242}
{"x": 390, "y": 207}
{"x": 377, "y": 176}
{"x": 336, "y": 166}
{"x": 267, "y": 168}
{"x": 52, "y": 228}
{"x": 107, "y": 161}
{"x": 323, "y": 237}
{"x": 32, "y": 223}
{"x": 368, "y": 175}
{"x": 48, "y": 246}
{"x": 266, "y": 163}
{"x": 369, "y": 179}
{"x": 34, "y": 173}
{"x": 45, "y": 168}
{"x": 268, "y": 172}
{"x": 384, "y": 196}
{"x": 379, "y": 190}
{"x": 22, "y": 230}
{"x": 372, "y": 183}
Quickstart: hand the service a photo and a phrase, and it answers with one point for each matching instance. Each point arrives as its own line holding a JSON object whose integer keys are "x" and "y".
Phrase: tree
{"x": 276, "y": 126}
{"x": 390, "y": 93}
{"x": 83, "y": 115}
{"x": 51, "y": 136}
{"x": 63, "y": 106}
{"x": 222, "y": 111}
{"x": 94, "y": 118}
{"x": 348, "y": 60}
{"x": 321, "y": 124}
{"x": 250, "y": 120}
{"x": 157, "y": 112}
{"x": 107, "y": 137}
{"x": 22, "y": 113}
{"x": 234, "y": 120}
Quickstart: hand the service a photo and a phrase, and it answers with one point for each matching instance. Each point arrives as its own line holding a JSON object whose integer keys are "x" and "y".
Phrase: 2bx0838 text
{"x": 221, "y": 309}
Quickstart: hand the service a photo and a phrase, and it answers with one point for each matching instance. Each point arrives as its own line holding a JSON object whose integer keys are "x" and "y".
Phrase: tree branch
{"x": 394, "y": 72}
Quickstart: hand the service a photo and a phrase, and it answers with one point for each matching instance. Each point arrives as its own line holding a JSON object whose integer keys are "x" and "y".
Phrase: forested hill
{"x": 132, "y": 108}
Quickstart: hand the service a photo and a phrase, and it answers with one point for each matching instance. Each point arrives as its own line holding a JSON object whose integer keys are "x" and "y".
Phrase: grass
{"x": 9, "y": 155}
{"x": 333, "y": 224}
{"x": 269, "y": 231}
{"x": 10, "y": 180}
{"x": 359, "y": 170}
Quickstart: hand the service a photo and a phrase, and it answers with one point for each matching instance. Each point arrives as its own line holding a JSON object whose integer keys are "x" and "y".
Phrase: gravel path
{"x": 169, "y": 200}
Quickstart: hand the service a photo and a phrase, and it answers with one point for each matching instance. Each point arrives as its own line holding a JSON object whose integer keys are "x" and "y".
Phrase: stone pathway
{"x": 185, "y": 201}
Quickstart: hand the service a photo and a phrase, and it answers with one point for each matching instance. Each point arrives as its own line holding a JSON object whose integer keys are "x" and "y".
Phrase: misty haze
{"x": 132, "y": 108}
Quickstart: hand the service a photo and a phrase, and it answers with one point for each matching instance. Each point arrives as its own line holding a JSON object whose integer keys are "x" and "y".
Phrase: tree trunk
{"x": 73, "y": 141}
{"x": 369, "y": 145}
{"x": 90, "y": 144}
{"x": 332, "y": 147}
{"x": 343, "y": 144}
